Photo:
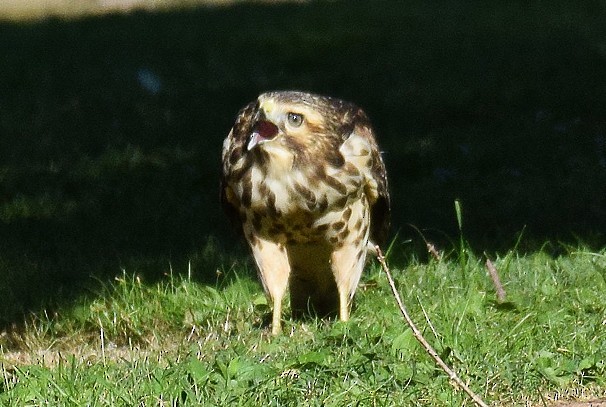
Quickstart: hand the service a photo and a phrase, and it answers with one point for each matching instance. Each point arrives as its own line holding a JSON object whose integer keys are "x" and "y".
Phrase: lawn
{"x": 177, "y": 342}
{"x": 118, "y": 264}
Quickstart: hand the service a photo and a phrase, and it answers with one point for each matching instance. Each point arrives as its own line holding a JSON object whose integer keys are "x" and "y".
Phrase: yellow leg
{"x": 276, "y": 320}
{"x": 344, "y": 305}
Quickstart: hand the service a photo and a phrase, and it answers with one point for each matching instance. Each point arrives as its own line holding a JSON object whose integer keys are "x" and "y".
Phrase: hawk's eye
{"x": 295, "y": 119}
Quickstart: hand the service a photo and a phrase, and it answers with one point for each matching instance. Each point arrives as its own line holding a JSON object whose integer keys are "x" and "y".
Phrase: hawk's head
{"x": 295, "y": 142}
{"x": 300, "y": 123}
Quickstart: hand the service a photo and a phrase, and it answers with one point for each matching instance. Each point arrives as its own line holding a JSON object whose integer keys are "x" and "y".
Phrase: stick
{"x": 494, "y": 275}
{"x": 453, "y": 376}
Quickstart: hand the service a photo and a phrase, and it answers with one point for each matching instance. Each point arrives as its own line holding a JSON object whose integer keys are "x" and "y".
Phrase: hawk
{"x": 303, "y": 176}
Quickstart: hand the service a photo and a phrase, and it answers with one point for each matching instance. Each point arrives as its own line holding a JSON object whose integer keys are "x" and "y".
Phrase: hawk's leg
{"x": 274, "y": 270}
{"x": 347, "y": 264}
{"x": 349, "y": 253}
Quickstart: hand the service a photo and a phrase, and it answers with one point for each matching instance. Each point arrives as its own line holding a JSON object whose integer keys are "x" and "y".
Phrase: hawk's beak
{"x": 262, "y": 132}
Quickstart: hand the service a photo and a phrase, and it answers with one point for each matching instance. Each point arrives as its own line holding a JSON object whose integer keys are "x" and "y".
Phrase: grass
{"x": 178, "y": 342}
{"x": 117, "y": 263}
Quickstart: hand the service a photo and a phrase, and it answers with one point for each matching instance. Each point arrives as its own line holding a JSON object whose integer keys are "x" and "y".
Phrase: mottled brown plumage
{"x": 304, "y": 177}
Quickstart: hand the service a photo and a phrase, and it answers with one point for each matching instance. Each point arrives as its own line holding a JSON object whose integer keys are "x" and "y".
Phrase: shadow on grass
{"x": 111, "y": 127}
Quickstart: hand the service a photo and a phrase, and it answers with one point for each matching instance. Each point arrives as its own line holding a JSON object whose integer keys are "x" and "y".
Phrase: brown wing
{"x": 232, "y": 165}
{"x": 380, "y": 211}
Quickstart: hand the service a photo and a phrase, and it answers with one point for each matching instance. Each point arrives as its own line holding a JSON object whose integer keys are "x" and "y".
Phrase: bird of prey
{"x": 303, "y": 176}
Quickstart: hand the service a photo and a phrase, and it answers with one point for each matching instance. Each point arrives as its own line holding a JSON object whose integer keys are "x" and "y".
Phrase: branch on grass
{"x": 417, "y": 334}
{"x": 494, "y": 275}
{"x": 431, "y": 248}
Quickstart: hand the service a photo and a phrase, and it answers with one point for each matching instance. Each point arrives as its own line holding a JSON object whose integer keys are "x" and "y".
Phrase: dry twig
{"x": 417, "y": 334}
{"x": 494, "y": 275}
{"x": 431, "y": 248}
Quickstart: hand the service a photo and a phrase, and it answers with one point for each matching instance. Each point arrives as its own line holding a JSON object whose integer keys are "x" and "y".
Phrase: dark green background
{"x": 501, "y": 106}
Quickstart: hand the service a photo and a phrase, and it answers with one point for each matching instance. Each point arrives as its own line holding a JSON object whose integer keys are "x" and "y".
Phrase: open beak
{"x": 262, "y": 131}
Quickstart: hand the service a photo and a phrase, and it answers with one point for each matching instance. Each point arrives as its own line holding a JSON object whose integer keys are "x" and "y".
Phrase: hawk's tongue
{"x": 263, "y": 131}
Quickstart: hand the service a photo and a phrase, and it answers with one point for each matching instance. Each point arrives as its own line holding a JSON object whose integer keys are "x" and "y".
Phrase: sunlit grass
{"x": 179, "y": 340}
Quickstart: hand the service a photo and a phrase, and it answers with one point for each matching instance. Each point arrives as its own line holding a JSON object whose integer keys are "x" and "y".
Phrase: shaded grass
{"x": 176, "y": 341}
{"x": 112, "y": 126}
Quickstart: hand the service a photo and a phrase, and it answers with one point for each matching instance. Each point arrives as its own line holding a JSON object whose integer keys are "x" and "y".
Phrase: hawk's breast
{"x": 288, "y": 202}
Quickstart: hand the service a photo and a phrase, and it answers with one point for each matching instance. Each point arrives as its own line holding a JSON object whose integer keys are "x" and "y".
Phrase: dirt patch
{"x": 37, "y": 9}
